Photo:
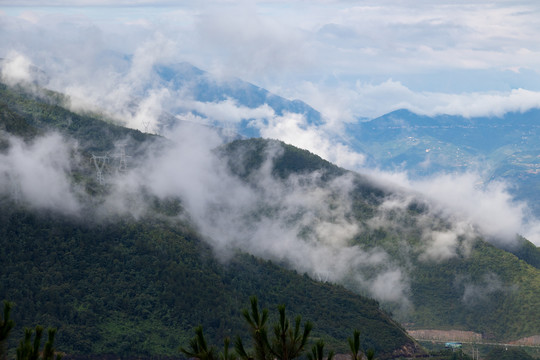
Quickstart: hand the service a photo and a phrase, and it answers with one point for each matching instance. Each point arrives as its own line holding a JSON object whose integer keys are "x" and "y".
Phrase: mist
{"x": 295, "y": 221}
{"x": 300, "y": 221}
{"x": 38, "y": 174}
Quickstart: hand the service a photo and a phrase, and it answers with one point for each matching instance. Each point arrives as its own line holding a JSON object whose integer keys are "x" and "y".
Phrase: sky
{"x": 348, "y": 59}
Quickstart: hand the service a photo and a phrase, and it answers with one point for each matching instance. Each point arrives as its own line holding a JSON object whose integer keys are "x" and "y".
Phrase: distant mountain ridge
{"x": 203, "y": 87}
{"x": 506, "y": 148}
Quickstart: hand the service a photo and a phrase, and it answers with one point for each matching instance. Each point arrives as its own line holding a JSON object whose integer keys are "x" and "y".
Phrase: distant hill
{"x": 506, "y": 146}
{"x": 203, "y": 87}
{"x": 503, "y": 148}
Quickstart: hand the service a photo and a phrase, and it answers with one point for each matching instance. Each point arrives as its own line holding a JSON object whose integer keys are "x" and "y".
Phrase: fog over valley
{"x": 385, "y": 147}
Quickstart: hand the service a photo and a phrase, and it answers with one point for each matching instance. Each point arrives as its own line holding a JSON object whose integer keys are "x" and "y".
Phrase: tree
{"x": 226, "y": 355}
{"x": 370, "y": 354}
{"x": 6, "y": 324}
{"x": 317, "y": 352}
{"x": 257, "y": 327}
{"x": 29, "y": 350}
{"x": 354, "y": 346}
{"x": 199, "y": 348}
{"x": 289, "y": 343}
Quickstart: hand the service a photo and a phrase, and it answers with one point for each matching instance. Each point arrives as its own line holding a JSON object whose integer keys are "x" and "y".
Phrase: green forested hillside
{"x": 489, "y": 291}
{"x": 478, "y": 288}
{"x": 139, "y": 287}
{"x": 26, "y": 113}
{"x": 129, "y": 286}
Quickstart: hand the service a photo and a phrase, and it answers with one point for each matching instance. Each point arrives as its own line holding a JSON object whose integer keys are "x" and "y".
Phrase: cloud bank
{"x": 348, "y": 61}
{"x": 37, "y": 174}
{"x": 300, "y": 221}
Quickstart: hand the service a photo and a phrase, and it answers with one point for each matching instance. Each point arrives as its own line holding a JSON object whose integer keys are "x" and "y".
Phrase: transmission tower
{"x": 16, "y": 186}
{"x": 146, "y": 125}
{"x": 122, "y": 158}
{"x": 475, "y": 351}
{"x": 100, "y": 162}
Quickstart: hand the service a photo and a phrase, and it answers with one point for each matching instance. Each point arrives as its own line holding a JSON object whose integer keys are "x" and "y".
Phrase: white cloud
{"x": 38, "y": 174}
{"x": 472, "y": 205}
{"x": 346, "y": 102}
{"x": 228, "y": 110}
{"x": 291, "y": 221}
{"x": 347, "y": 60}
{"x": 16, "y": 69}
{"x": 441, "y": 246}
{"x": 477, "y": 292}
{"x": 293, "y": 129}
{"x": 243, "y": 40}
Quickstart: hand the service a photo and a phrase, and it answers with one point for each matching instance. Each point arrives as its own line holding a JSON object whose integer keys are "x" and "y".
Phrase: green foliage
{"x": 370, "y": 354}
{"x": 354, "y": 346}
{"x": 244, "y": 157}
{"x": 30, "y": 350}
{"x": 227, "y": 354}
{"x": 258, "y": 331}
{"x": 199, "y": 349}
{"x": 29, "y": 112}
{"x": 526, "y": 251}
{"x": 488, "y": 291}
{"x": 109, "y": 286}
{"x": 6, "y": 325}
{"x": 286, "y": 344}
{"x": 134, "y": 287}
{"x": 481, "y": 288}
{"x": 289, "y": 343}
{"x": 509, "y": 353}
{"x": 317, "y": 352}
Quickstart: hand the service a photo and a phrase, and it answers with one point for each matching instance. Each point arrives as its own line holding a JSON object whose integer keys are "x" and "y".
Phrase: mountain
{"x": 451, "y": 279}
{"x": 203, "y": 87}
{"x": 136, "y": 283}
{"x": 275, "y": 202}
{"x": 501, "y": 148}
{"x": 506, "y": 147}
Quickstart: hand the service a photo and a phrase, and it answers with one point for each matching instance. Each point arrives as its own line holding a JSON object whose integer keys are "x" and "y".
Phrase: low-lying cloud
{"x": 37, "y": 174}
{"x": 300, "y": 221}
{"x": 477, "y": 292}
{"x": 346, "y": 102}
{"x": 293, "y": 221}
{"x": 16, "y": 68}
{"x": 308, "y": 228}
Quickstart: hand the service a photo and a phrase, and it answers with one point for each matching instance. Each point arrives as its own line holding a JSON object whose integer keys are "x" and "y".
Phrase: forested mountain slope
{"x": 139, "y": 288}
{"x": 444, "y": 273}
{"x": 134, "y": 283}
{"x": 255, "y": 196}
